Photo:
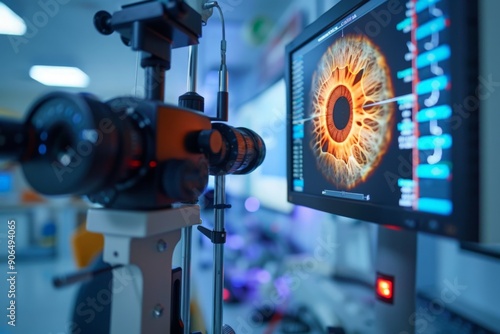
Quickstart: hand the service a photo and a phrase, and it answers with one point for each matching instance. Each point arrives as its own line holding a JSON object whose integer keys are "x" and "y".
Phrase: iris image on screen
{"x": 351, "y": 131}
{"x": 370, "y": 108}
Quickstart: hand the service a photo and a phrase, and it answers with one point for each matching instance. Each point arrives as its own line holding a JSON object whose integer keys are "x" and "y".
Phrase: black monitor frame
{"x": 463, "y": 223}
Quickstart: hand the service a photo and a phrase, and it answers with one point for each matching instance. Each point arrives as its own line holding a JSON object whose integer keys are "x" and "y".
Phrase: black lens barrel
{"x": 242, "y": 151}
{"x": 76, "y": 144}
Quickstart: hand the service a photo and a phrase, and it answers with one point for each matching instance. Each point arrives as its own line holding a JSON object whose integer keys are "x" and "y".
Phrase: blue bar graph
{"x": 432, "y": 142}
{"x": 406, "y": 183}
{"x": 435, "y": 205}
{"x": 298, "y": 184}
{"x": 439, "y": 171}
{"x": 441, "y": 53}
{"x": 403, "y": 24}
{"x": 434, "y": 113}
{"x": 424, "y": 4}
{"x": 430, "y": 85}
{"x": 406, "y": 126}
{"x": 298, "y": 131}
{"x": 405, "y": 73}
{"x": 430, "y": 27}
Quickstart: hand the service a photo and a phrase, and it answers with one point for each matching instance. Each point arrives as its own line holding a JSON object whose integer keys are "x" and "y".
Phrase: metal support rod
{"x": 155, "y": 83}
{"x": 186, "y": 279}
{"x": 192, "y": 68}
{"x": 188, "y": 231}
{"x": 220, "y": 201}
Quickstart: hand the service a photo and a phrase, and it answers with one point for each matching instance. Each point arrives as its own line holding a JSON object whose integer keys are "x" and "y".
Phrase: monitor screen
{"x": 375, "y": 125}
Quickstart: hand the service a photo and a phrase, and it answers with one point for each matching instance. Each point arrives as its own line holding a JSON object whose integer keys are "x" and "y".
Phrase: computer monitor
{"x": 382, "y": 115}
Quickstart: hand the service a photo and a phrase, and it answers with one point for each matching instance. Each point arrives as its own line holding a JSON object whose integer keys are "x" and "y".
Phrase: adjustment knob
{"x": 102, "y": 22}
{"x": 210, "y": 141}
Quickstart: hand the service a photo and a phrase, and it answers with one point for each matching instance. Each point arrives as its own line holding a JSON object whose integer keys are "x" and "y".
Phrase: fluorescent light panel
{"x": 10, "y": 22}
{"x": 59, "y": 76}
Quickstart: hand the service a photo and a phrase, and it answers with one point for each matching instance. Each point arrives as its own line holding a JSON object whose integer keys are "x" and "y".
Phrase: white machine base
{"x": 144, "y": 242}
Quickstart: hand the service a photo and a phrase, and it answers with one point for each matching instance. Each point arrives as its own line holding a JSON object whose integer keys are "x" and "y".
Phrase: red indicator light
{"x": 392, "y": 227}
{"x": 226, "y": 295}
{"x": 385, "y": 288}
{"x": 152, "y": 164}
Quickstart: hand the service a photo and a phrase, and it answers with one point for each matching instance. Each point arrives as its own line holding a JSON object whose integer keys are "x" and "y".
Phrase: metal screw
{"x": 158, "y": 311}
{"x": 161, "y": 246}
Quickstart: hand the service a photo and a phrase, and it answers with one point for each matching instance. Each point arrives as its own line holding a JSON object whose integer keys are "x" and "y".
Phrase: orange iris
{"x": 351, "y": 132}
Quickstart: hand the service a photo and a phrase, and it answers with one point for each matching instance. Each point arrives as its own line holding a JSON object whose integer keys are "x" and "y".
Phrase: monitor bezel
{"x": 463, "y": 223}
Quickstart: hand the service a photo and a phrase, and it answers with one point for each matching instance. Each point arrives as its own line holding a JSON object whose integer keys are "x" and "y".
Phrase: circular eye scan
{"x": 352, "y": 119}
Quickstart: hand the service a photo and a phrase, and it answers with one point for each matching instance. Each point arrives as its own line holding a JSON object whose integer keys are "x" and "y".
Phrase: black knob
{"x": 192, "y": 100}
{"x": 210, "y": 141}
{"x": 102, "y": 22}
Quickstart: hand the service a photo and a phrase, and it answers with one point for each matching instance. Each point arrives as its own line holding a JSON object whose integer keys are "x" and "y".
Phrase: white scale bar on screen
{"x": 408, "y": 97}
{"x": 345, "y": 194}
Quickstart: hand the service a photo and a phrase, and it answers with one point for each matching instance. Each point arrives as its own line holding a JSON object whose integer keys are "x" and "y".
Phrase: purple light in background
{"x": 263, "y": 276}
{"x": 252, "y": 204}
{"x": 282, "y": 287}
{"x": 235, "y": 242}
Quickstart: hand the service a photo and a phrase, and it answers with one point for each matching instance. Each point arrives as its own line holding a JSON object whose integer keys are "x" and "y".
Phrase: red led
{"x": 392, "y": 227}
{"x": 152, "y": 164}
{"x": 226, "y": 295}
{"x": 385, "y": 288}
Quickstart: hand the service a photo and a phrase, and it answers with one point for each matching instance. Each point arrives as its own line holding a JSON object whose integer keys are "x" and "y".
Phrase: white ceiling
{"x": 69, "y": 38}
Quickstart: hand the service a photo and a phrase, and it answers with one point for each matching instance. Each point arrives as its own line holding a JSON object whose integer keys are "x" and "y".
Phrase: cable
{"x": 215, "y": 4}
{"x": 223, "y": 44}
{"x": 222, "y": 95}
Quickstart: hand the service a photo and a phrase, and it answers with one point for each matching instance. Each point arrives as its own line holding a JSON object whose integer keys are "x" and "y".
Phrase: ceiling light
{"x": 10, "y": 22}
{"x": 59, "y": 76}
